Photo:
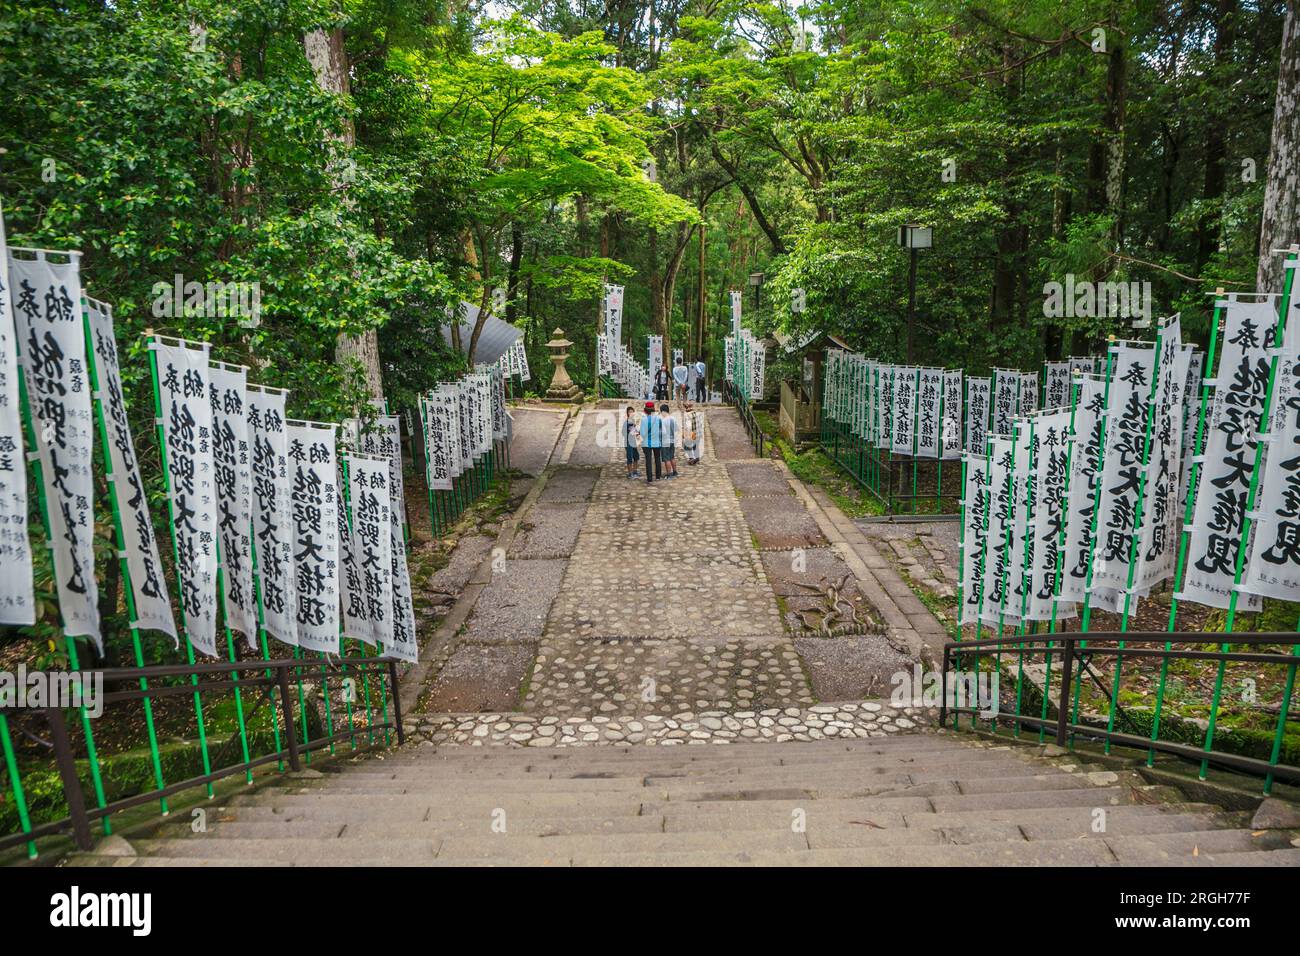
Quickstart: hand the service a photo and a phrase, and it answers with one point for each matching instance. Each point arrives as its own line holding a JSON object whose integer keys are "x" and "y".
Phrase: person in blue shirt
{"x": 668, "y": 442}
{"x": 651, "y": 435}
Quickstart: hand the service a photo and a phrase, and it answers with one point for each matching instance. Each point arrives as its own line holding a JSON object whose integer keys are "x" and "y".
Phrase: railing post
{"x": 397, "y": 703}
{"x": 943, "y": 684}
{"x": 286, "y": 705}
{"x": 1063, "y": 707}
{"x": 67, "y": 765}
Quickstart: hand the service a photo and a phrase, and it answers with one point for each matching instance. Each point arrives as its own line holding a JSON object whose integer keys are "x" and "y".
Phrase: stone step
{"x": 1158, "y": 849}
{"x": 1287, "y": 857}
{"x": 381, "y": 805}
{"x": 918, "y": 742}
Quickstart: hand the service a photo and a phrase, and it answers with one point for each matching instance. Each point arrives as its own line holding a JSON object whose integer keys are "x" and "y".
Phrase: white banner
{"x": 1057, "y": 377}
{"x": 1001, "y": 567}
{"x": 1273, "y": 564}
{"x": 655, "y": 353}
{"x": 1162, "y": 510}
{"x": 735, "y": 313}
{"x": 974, "y": 509}
{"x": 889, "y": 375}
{"x": 233, "y": 470}
{"x": 17, "y": 599}
{"x": 614, "y": 313}
{"x": 1240, "y": 386}
{"x": 403, "y": 645}
{"x": 314, "y": 476}
{"x": 729, "y": 346}
{"x": 368, "y": 599}
{"x": 1028, "y": 400}
{"x": 384, "y": 440}
{"x": 758, "y": 370}
{"x": 1006, "y": 399}
{"x": 440, "y": 430}
{"x": 952, "y": 409}
{"x": 602, "y": 354}
{"x": 153, "y": 607}
{"x": 183, "y": 388}
{"x": 927, "y": 412}
{"x": 52, "y": 342}
{"x": 272, "y": 513}
{"x": 904, "y": 421}
{"x": 1122, "y": 483}
{"x": 1045, "y": 521}
{"x": 1084, "y": 462}
{"x": 979, "y": 392}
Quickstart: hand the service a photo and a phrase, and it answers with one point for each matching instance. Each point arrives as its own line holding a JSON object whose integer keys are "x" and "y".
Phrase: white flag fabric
{"x": 1127, "y": 407}
{"x": 17, "y": 598}
{"x": 927, "y": 412}
{"x": 979, "y": 393}
{"x": 655, "y": 353}
{"x": 439, "y": 429}
{"x": 522, "y": 352}
{"x": 1045, "y": 521}
{"x": 273, "y": 513}
{"x": 975, "y": 510}
{"x": 1273, "y": 565}
{"x": 1085, "y": 460}
{"x": 183, "y": 388}
{"x": 602, "y": 353}
{"x": 905, "y": 389}
{"x": 1019, "y": 558}
{"x": 729, "y": 347}
{"x": 232, "y": 458}
{"x": 313, "y": 470}
{"x": 1058, "y": 385}
{"x": 384, "y": 440}
{"x": 1191, "y": 415}
{"x": 368, "y": 602}
{"x": 952, "y": 409}
{"x": 735, "y": 313}
{"x": 758, "y": 370}
{"x": 889, "y": 374}
{"x": 153, "y": 607}
{"x": 614, "y": 314}
{"x": 1231, "y": 432}
{"x": 52, "y": 342}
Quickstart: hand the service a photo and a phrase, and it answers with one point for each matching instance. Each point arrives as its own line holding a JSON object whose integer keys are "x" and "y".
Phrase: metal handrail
{"x": 1074, "y": 647}
{"x": 269, "y": 675}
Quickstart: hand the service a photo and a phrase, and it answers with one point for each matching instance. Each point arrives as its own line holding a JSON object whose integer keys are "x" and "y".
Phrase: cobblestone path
{"x": 669, "y": 612}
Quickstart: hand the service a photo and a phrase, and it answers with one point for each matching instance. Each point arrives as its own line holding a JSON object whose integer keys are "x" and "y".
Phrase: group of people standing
{"x": 655, "y": 434}
{"x": 680, "y": 377}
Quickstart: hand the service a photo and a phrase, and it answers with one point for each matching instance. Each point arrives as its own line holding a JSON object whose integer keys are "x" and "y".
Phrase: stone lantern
{"x": 562, "y": 387}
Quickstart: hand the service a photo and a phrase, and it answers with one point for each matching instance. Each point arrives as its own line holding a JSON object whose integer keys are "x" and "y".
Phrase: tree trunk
{"x": 512, "y": 282}
{"x": 329, "y": 61}
{"x": 1280, "y": 221}
{"x": 1216, "y": 147}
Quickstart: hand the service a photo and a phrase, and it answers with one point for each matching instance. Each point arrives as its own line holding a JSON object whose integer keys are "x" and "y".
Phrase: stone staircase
{"x": 921, "y": 799}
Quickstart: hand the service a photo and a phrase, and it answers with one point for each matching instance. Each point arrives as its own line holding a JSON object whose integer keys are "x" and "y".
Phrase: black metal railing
{"x": 1073, "y": 655}
{"x": 266, "y": 681}
{"x": 732, "y": 396}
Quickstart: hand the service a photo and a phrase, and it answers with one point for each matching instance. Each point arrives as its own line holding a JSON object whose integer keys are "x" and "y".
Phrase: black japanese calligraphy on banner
{"x": 1218, "y": 518}
{"x": 153, "y": 607}
{"x": 952, "y": 412}
{"x": 1085, "y": 460}
{"x": 1025, "y": 496}
{"x": 384, "y": 440}
{"x": 450, "y": 396}
{"x": 17, "y": 599}
{"x": 1001, "y": 566}
{"x": 979, "y": 393}
{"x": 1058, "y": 385}
{"x": 314, "y": 497}
{"x": 974, "y": 509}
{"x": 482, "y": 382}
{"x": 905, "y": 390}
{"x": 273, "y": 512}
{"x": 888, "y": 375}
{"x": 1191, "y": 416}
{"x": 52, "y": 343}
{"x": 729, "y": 347}
{"x": 602, "y": 354}
{"x": 1006, "y": 399}
{"x": 927, "y": 412}
{"x": 1273, "y": 564}
{"x": 438, "y": 451}
{"x": 232, "y": 458}
{"x": 758, "y": 370}
{"x": 183, "y": 392}
{"x": 368, "y": 597}
{"x": 1027, "y": 400}
{"x": 465, "y": 399}
{"x": 1123, "y": 469}
{"x": 500, "y": 417}
{"x": 1045, "y": 521}
{"x": 1162, "y": 510}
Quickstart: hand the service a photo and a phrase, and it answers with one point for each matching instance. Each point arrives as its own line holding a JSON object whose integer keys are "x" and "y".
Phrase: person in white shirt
{"x": 701, "y": 395}
{"x": 668, "y": 443}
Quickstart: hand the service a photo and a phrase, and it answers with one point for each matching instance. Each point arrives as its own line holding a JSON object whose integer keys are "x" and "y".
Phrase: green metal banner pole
{"x": 119, "y": 538}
